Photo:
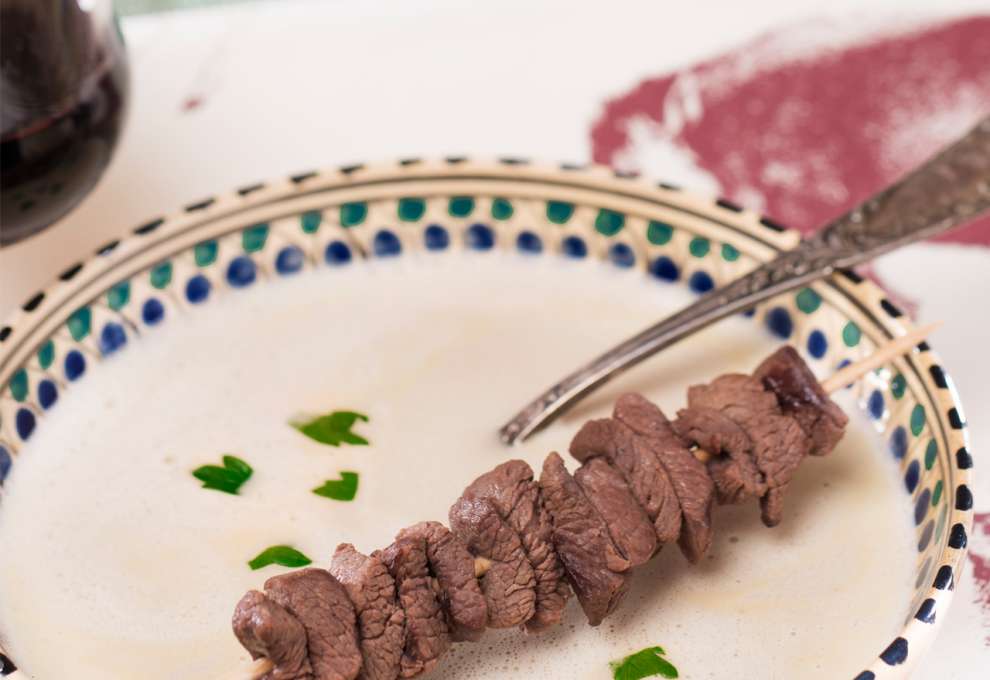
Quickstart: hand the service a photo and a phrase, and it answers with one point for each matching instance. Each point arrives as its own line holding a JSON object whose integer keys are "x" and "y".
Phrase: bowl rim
{"x": 45, "y": 310}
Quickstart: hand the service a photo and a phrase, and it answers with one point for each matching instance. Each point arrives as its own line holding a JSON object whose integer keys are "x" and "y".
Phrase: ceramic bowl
{"x": 227, "y": 244}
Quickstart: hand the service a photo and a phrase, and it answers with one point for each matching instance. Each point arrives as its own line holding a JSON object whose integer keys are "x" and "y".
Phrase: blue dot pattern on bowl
{"x": 779, "y": 322}
{"x": 436, "y": 237}
{"x": 5, "y": 463}
{"x": 912, "y": 475}
{"x": 289, "y": 260}
{"x": 574, "y": 247}
{"x": 700, "y": 282}
{"x": 926, "y": 535}
{"x": 198, "y": 289}
{"x": 387, "y": 244}
{"x": 241, "y": 272}
{"x": 621, "y": 255}
{"x": 899, "y": 442}
{"x": 817, "y": 344}
{"x": 75, "y": 364}
{"x": 921, "y": 506}
{"x": 876, "y": 404}
{"x": 112, "y": 337}
{"x": 665, "y": 268}
{"x": 528, "y": 242}
{"x": 479, "y": 237}
{"x": 24, "y": 423}
{"x": 153, "y": 311}
{"x": 666, "y": 250}
{"x": 47, "y": 393}
{"x": 336, "y": 253}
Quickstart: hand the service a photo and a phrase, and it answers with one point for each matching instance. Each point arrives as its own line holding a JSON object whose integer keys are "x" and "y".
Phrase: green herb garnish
{"x": 334, "y": 429}
{"x": 344, "y": 489}
{"x": 645, "y": 663}
{"x": 227, "y": 478}
{"x": 279, "y": 554}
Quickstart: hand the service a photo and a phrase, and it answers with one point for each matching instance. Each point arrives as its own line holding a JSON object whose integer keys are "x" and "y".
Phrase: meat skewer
{"x": 516, "y": 543}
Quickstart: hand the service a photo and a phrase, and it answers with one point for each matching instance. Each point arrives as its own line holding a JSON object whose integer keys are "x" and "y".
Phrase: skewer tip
{"x": 882, "y": 355}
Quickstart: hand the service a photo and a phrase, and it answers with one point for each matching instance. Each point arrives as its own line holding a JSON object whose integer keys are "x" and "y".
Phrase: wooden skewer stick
{"x": 882, "y": 355}
{"x": 836, "y": 381}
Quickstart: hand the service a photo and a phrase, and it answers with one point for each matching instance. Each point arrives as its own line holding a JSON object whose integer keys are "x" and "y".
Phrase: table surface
{"x": 225, "y": 96}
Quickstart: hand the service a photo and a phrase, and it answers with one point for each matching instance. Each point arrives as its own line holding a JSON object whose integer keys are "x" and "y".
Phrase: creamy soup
{"x": 116, "y": 564}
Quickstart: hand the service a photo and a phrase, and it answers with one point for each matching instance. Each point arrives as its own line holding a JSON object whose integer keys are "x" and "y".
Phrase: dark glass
{"x": 63, "y": 96}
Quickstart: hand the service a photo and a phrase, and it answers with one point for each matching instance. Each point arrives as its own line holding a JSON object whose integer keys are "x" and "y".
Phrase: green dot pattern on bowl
{"x": 808, "y": 301}
{"x": 160, "y": 276}
{"x": 253, "y": 238}
{"x": 609, "y": 222}
{"x": 851, "y": 334}
{"x": 310, "y": 221}
{"x": 729, "y": 253}
{"x": 19, "y": 385}
{"x": 501, "y": 209}
{"x": 119, "y": 295}
{"x": 699, "y": 247}
{"x": 460, "y": 206}
{"x": 353, "y": 214}
{"x": 46, "y": 355}
{"x": 205, "y": 253}
{"x": 559, "y": 212}
{"x": 80, "y": 323}
{"x": 917, "y": 419}
{"x": 659, "y": 233}
{"x": 897, "y": 386}
{"x": 411, "y": 209}
{"x": 931, "y": 454}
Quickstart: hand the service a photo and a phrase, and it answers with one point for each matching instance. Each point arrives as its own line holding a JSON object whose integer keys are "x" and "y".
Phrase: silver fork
{"x": 950, "y": 189}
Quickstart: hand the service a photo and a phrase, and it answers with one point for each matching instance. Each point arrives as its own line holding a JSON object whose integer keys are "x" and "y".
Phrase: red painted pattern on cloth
{"x": 804, "y": 137}
{"x": 981, "y": 563}
{"x": 191, "y": 103}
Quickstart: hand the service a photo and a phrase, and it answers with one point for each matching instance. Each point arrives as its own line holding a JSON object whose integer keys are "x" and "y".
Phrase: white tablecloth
{"x": 227, "y": 96}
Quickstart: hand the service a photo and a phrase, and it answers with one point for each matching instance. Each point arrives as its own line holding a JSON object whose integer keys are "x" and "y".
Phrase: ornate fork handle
{"x": 948, "y": 190}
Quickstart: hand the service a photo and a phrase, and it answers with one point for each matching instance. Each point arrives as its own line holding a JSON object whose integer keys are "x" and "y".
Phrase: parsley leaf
{"x": 334, "y": 429}
{"x": 283, "y": 555}
{"x": 344, "y": 489}
{"x": 228, "y": 478}
{"x": 645, "y": 663}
